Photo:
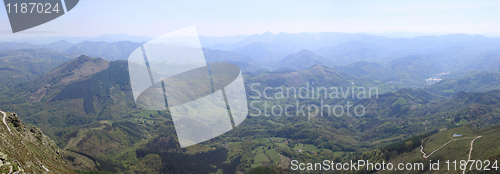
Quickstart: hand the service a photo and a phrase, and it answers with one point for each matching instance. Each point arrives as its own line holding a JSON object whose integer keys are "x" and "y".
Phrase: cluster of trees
{"x": 175, "y": 162}
{"x": 80, "y": 89}
{"x": 130, "y": 128}
{"x": 408, "y": 144}
{"x": 102, "y": 165}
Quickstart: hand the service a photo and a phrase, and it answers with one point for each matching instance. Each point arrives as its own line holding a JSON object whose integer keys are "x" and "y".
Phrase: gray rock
{"x": 3, "y": 156}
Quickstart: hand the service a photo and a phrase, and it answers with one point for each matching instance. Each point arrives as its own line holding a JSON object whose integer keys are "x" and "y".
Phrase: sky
{"x": 224, "y": 18}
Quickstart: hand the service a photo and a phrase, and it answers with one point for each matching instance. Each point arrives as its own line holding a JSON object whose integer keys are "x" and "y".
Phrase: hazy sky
{"x": 221, "y": 18}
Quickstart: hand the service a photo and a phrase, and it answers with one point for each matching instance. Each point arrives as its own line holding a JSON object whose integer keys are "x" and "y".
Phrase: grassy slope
{"x": 29, "y": 148}
{"x": 485, "y": 148}
{"x": 273, "y": 155}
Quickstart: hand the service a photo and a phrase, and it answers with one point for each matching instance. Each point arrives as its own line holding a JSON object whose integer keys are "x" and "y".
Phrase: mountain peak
{"x": 62, "y": 42}
{"x": 83, "y": 58}
{"x": 299, "y": 61}
{"x": 78, "y": 68}
{"x": 318, "y": 66}
{"x": 267, "y": 33}
{"x": 73, "y": 70}
{"x": 305, "y": 51}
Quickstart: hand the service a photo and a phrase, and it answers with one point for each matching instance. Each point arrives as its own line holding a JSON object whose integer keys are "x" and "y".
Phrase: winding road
{"x": 471, "y": 148}
{"x": 472, "y": 145}
{"x": 4, "y": 122}
{"x": 427, "y": 156}
{"x": 470, "y": 152}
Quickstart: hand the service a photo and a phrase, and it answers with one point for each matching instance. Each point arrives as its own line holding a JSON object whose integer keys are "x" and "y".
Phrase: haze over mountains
{"x": 408, "y": 60}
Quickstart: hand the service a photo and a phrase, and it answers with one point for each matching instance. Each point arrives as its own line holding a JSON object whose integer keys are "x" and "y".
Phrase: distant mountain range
{"x": 473, "y": 81}
{"x": 39, "y": 40}
{"x": 409, "y": 61}
{"x": 22, "y": 65}
{"x": 299, "y": 61}
{"x": 268, "y": 49}
{"x": 348, "y": 48}
{"x": 58, "y": 46}
{"x": 265, "y": 53}
{"x": 246, "y": 64}
{"x": 110, "y": 51}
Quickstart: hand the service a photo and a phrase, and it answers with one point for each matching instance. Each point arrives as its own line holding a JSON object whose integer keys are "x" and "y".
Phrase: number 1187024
{"x": 32, "y": 8}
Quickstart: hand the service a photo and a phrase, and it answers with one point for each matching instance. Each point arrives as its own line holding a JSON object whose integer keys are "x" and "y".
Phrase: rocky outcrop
{"x": 28, "y": 150}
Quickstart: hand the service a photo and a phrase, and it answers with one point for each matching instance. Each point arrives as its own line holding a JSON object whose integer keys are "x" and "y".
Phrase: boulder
{"x": 3, "y": 156}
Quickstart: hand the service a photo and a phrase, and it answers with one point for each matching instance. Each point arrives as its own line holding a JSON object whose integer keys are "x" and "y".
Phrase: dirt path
{"x": 427, "y": 156}
{"x": 472, "y": 145}
{"x": 470, "y": 152}
{"x": 282, "y": 161}
{"x": 471, "y": 148}
{"x": 4, "y": 122}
